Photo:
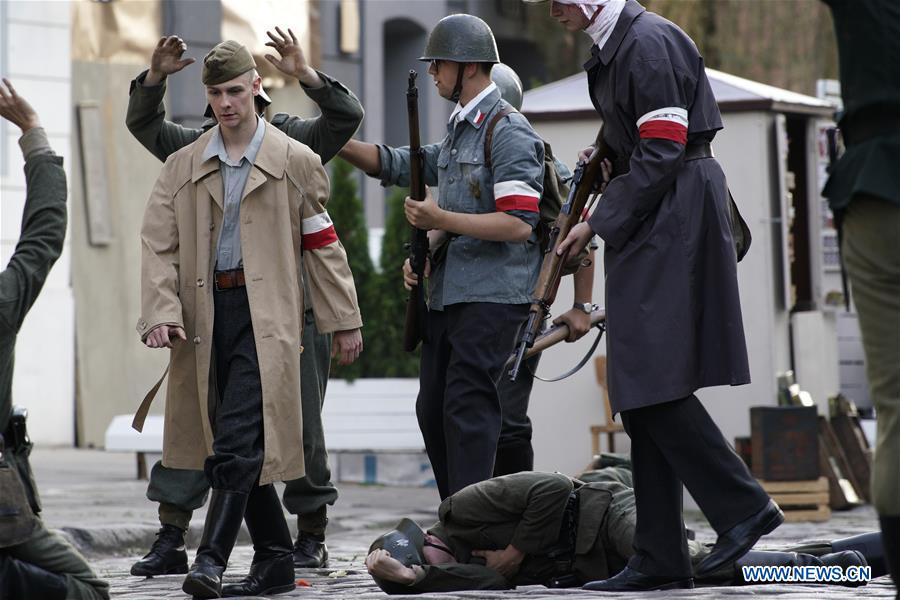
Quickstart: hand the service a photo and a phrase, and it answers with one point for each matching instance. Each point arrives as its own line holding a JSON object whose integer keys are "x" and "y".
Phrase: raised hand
{"x": 16, "y": 109}
{"x": 292, "y": 62}
{"x": 167, "y": 59}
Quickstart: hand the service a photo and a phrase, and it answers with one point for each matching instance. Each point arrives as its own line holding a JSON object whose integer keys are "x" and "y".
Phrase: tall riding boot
{"x": 20, "y": 579}
{"x": 272, "y": 570}
{"x": 757, "y": 558}
{"x": 223, "y": 523}
{"x": 867, "y": 544}
{"x": 890, "y": 538}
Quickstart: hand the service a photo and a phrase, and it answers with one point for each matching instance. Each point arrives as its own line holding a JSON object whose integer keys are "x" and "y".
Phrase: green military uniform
{"x": 532, "y": 510}
{"x": 179, "y": 492}
{"x": 40, "y": 244}
{"x": 864, "y": 191}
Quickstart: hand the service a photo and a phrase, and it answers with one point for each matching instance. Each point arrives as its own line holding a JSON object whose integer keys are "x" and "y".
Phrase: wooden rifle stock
{"x": 415, "y": 323}
{"x": 586, "y": 174}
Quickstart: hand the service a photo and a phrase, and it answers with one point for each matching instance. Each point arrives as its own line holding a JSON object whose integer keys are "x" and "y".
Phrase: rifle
{"x": 552, "y": 266}
{"x": 415, "y": 327}
{"x": 558, "y": 333}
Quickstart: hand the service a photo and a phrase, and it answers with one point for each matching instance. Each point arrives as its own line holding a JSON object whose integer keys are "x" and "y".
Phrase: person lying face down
{"x": 549, "y": 529}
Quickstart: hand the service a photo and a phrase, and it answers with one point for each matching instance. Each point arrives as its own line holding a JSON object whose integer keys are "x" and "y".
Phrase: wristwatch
{"x": 585, "y": 307}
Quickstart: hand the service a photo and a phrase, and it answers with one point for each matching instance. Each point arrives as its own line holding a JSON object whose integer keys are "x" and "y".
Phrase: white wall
{"x": 34, "y": 55}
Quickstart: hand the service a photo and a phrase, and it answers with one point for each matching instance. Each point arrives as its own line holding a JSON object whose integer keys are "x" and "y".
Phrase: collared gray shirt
{"x": 476, "y": 270}
{"x": 234, "y": 179}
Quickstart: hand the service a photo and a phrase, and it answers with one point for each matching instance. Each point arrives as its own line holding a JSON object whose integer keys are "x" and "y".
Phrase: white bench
{"x": 121, "y": 437}
{"x": 366, "y": 417}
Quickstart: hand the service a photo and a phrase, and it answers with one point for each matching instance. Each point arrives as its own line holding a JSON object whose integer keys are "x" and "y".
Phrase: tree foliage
{"x": 346, "y": 212}
{"x": 382, "y": 297}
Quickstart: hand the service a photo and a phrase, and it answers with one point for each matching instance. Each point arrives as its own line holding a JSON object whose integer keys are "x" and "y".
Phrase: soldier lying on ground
{"x": 34, "y": 563}
{"x": 549, "y": 529}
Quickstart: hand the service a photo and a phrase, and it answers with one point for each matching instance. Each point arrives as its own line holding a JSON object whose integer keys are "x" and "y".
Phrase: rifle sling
{"x": 601, "y": 328}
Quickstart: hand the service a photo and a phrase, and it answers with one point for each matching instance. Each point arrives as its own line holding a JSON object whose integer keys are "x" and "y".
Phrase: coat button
{"x": 197, "y": 340}
{"x": 301, "y": 349}
{"x": 200, "y": 283}
{"x": 452, "y": 179}
{"x": 212, "y": 226}
{"x": 453, "y": 152}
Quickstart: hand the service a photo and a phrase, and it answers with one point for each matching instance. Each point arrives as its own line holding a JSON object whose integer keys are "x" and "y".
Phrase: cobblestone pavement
{"x": 93, "y": 498}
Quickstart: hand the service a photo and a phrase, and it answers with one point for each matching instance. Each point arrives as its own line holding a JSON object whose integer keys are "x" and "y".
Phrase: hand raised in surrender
{"x": 292, "y": 62}
{"x": 167, "y": 59}
{"x": 15, "y": 109}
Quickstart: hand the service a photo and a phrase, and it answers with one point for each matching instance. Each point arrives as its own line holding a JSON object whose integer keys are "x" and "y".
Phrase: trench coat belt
{"x": 226, "y": 280}
{"x": 140, "y": 415}
{"x": 698, "y": 150}
{"x": 874, "y": 121}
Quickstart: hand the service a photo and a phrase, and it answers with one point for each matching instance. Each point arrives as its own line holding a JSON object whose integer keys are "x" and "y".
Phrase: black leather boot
{"x": 19, "y": 579}
{"x": 890, "y": 539}
{"x": 223, "y": 523}
{"x": 167, "y": 555}
{"x": 757, "y": 558}
{"x": 272, "y": 570}
{"x": 310, "y": 551}
{"x": 867, "y": 544}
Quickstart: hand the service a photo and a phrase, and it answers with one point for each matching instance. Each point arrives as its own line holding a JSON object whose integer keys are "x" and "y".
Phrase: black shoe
{"x": 310, "y": 551}
{"x": 273, "y": 576}
{"x": 735, "y": 542}
{"x": 272, "y": 570}
{"x": 223, "y": 522}
{"x": 167, "y": 555}
{"x": 629, "y": 580}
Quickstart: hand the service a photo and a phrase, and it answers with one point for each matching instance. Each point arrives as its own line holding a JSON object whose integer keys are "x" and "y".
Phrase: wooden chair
{"x": 610, "y": 428}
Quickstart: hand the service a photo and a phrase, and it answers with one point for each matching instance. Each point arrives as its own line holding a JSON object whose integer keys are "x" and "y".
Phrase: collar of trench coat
{"x": 271, "y": 158}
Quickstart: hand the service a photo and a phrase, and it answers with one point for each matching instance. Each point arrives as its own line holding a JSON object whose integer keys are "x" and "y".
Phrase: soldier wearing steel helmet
{"x": 514, "y": 450}
{"x": 480, "y": 290}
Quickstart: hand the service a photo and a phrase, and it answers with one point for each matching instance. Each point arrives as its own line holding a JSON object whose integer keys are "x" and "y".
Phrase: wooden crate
{"x": 801, "y": 500}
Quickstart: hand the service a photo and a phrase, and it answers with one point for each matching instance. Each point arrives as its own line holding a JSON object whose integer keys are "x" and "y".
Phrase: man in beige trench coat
{"x": 229, "y": 220}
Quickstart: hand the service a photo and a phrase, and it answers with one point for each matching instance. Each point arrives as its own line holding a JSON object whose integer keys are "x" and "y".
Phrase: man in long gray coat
{"x": 673, "y": 308}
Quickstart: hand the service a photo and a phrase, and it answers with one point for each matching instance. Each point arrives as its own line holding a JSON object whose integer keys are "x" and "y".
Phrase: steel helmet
{"x": 405, "y": 543}
{"x": 461, "y": 38}
{"x": 509, "y": 83}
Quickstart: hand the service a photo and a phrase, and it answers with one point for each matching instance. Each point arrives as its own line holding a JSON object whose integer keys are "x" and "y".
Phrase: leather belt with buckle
{"x": 226, "y": 280}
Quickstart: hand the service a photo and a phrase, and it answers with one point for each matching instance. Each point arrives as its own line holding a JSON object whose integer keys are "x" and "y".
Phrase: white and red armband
{"x": 318, "y": 231}
{"x": 670, "y": 123}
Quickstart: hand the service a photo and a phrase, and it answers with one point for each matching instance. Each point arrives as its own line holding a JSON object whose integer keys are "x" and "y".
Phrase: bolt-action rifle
{"x": 587, "y": 174}
{"x": 415, "y": 327}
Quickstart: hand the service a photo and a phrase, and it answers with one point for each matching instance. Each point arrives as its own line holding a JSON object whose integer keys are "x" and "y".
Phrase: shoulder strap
{"x": 506, "y": 109}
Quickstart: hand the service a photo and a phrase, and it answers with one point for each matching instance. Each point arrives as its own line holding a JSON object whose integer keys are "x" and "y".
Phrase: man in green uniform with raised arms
{"x": 34, "y": 563}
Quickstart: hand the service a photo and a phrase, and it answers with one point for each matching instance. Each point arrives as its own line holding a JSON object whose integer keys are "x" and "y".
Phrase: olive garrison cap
{"x": 226, "y": 61}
